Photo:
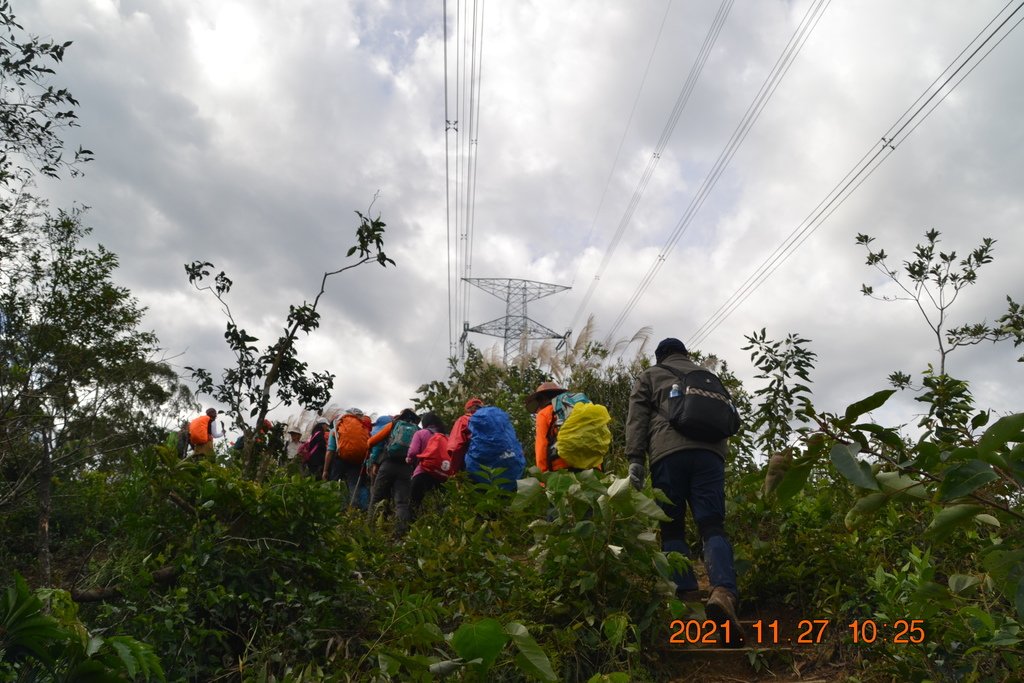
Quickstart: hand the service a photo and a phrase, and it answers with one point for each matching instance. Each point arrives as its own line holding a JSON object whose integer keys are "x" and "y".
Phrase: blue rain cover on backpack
{"x": 493, "y": 443}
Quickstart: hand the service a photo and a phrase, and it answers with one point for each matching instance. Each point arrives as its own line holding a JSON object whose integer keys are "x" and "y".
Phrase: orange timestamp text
{"x": 808, "y": 632}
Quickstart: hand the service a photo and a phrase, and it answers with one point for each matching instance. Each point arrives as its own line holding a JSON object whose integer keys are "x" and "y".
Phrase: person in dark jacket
{"x": 691, "y": 473}
{"x": 318, "y": 448}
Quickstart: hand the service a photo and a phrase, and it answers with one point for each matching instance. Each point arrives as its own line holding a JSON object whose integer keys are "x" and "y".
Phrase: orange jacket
{"x": 545, "y": 422}
{"x": 200, "y": 430}
{"x": 384, "y": 433}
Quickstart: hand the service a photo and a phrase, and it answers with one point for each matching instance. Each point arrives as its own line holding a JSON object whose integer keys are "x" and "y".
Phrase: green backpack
{"x": 399, "y": 440}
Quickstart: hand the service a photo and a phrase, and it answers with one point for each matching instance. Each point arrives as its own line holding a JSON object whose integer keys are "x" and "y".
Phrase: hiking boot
{"x": 721, "y": 608}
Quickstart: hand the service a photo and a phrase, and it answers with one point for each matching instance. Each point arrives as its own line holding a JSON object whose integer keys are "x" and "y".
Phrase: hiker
{"x": 178, "y": 440}
{"x": 202, "y": 431}
{"x": 347, "y": 448}
{"x": 458, "y": 439}
{"x": 291, "y": 446}
{"x": 428, "y": 452}
{"x": 261, "y": 437}
{"x": 317, "y": 447}
{"x": 571, "y": 430}
{"x": 690, "y": 471}
{"x": 377, "y": 449}
{"x": 392, "y": 475}
{"x": 539, "y": 402}
{"x": 493, "y": 446}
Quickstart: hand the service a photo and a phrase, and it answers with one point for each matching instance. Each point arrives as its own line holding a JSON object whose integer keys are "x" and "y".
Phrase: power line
{"x": 460, "y": 197}
{"x": 476, "y": 75}
{"x": 447, "y": 178}
{"x": 771, "y": 83}
{"x": 666, "y": 134}
{"x": 906, "y": 124}
{"x": 622, "y": 141}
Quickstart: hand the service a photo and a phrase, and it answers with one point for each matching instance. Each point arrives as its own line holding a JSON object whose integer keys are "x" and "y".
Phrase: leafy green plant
{"x": 40, "y": 647}
{"x": 259, "y": 378}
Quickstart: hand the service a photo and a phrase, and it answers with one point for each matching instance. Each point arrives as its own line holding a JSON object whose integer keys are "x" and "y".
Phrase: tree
{"x": 77, "y": 376}
{"x": 936, "y": 279}
{"x": 249, "y": 386}
{"x": 33, "y": 114}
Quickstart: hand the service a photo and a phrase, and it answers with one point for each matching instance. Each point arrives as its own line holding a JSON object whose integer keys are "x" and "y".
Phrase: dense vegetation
{"x": 149, "y": 567}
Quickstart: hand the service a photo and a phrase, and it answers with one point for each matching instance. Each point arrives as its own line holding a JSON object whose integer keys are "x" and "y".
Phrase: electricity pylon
{"x": 516, "y": 327}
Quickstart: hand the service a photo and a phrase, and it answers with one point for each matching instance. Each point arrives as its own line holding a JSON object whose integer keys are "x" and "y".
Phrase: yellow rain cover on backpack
{"x": 584, "y": 439}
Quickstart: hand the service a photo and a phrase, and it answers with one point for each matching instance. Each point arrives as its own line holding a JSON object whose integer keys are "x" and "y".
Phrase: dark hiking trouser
{"x": 394, "y": 480}
{"x": 696, "y": 478}
{"x": 343, "y": 470}
{"x": 315, "y": 465}
{"x": 422, "y": 484}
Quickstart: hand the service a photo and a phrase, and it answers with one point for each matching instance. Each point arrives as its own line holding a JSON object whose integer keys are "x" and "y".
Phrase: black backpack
{"x": 703, "y": 411}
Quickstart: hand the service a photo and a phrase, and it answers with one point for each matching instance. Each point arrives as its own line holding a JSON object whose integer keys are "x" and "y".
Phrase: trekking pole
{"x": 355, "y": 489}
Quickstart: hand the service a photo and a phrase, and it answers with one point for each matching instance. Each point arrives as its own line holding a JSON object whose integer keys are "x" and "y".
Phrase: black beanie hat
{"x": 667, "y": 347}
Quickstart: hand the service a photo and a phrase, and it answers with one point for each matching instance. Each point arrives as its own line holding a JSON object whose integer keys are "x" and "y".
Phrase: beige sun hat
{"x": 545, "y": 392}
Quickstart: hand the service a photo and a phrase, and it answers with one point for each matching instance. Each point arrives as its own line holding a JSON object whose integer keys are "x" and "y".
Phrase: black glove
{"x": 637, "y": 474}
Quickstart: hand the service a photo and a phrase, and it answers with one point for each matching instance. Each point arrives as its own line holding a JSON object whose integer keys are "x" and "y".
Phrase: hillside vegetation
{"x": 121, "y": 560}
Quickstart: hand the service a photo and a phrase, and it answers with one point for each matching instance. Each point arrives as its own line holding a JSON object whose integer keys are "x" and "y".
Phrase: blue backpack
{"x": 493, "y": 443}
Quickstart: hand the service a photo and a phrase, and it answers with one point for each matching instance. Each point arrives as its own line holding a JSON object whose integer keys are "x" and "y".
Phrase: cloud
{"x": 248, "y": 135}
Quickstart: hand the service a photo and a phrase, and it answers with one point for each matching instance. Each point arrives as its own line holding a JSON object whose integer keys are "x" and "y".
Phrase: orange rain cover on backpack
{"x": 199, "y": 430}
{"x": 352, "y": 435}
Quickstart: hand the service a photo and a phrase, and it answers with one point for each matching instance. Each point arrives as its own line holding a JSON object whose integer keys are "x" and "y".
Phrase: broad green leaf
{"x": 1005, "y": 430}
{"x": 864, "y": 508}
{"x": 793, "y": 482}
{"x": 988, "y": 519}
{"x": 94, "y": 645}
{"x": 531, "y": 659}
{"x": 897, "y": 484}
{"x": 615, "y": 628}
{"x": 528, "y": 492}
{"x": 661, "y": 565}
{"x": 617, "y": 677}
{"x": 958, "y": 583}
{"x": 389, "y": 666}
{"x": 868, "y": 404}
{"x": 928, "y": 455}
{"x": 982, "y": 620}
{"x": 961, "y": 454}
{"x": 889, "y": 437}
{"x": 645, "y": 506}
{"x": 445, "y": 667}
{"x": 845, "y": 460}
{"x": 482, "y": 640}
{"x": 124, "y": 652}
{"x": 965, "y": 479}
{"x": 949, "y": 518}
{"x": 1005, "y": 566}
{"x": 619, "y": 487}
{"x": 929, "y": 592}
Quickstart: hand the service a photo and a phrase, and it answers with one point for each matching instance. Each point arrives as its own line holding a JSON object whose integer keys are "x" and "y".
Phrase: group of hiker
{"x": 680, "y": 418}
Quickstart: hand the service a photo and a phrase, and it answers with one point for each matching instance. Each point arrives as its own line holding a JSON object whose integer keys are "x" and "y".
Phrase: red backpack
{"x": 435, "y": 457}
{"x": 352, "y": 436}
{"x": 304, "y": 453}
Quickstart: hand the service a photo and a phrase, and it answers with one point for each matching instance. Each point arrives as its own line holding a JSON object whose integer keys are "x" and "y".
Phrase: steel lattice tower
{"x": 516, "y": 327}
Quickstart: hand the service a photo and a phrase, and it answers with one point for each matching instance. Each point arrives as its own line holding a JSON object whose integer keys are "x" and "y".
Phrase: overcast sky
{"x": 248, "y": 134}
